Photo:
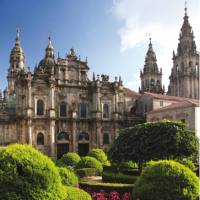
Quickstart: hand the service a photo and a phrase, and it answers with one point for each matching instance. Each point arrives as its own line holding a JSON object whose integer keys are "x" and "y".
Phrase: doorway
{"x": 83, "y": 149}
{"x": 62, "y": 149}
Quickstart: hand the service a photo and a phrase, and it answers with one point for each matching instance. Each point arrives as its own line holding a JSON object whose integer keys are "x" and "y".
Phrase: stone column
{"x": 30, "y": 142}
{"x": 52, "y": 138}
{"x": 74, "y": 131}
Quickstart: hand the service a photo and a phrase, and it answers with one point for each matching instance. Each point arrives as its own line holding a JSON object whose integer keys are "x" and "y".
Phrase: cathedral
{"x": 56, "y": 108}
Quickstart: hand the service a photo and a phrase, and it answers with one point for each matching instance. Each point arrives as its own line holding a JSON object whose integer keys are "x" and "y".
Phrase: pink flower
{"x": 127, "y": 196}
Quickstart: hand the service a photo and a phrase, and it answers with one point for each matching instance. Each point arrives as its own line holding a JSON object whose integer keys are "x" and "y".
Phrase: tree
{"x": 154, "y": 141}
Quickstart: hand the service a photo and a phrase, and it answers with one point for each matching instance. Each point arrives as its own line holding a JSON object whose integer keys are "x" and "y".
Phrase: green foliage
{"x": 68, "y": 176}
{"x": 69, "y": 159}
{"x": 25, "y": 173}
{"x": 154, "y": 141}
{"x": 90, "y": 162}
{"x": 164, "y": 180}
{"x": 188, "y": 163}
{"x": 128, "y": 165}
{"x": 99, "y": 154}
{"x": 76, "y": 194}
{"x": 112, "y": 177}
{"x": 86, "y": 172}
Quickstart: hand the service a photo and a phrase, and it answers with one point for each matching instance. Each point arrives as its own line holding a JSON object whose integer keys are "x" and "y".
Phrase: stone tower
{"x": 151, "y": 76}
{"x": 17, "y": 61}
{"x": 184, "y": 78}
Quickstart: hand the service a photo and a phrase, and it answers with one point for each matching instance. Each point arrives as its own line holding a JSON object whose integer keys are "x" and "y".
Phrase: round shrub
{"x": 90, "y": 162}
{"x": 187, "y": 163}
{"x": 68, "y": 176}
{"x": 75, "y": 194}
{"x": 164, "y": 180}
{"x": 69, "y": 159}
{"x": 25, "y": 173}
{"x": 99, "y": 154}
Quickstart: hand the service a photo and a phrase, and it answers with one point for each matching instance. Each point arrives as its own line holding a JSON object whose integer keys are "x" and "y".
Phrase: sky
{"x": 113, "y": 34}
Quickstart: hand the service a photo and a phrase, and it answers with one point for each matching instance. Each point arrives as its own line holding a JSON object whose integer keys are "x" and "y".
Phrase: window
{"x": 83, "y": 110}
{"x": 83, "y": 136}
{"x": 63, "y": 109}
{"x": 40, "y": 107}
{"x": 152, "y": 82}
{"x": 161, "y": 103}
{"x": 105, "y": 111}
{"x": 183, "y": 120}
{"x": 106, "y": 138}
{"x": 63, "y": 136}
{"x": 145, "y": 108}
{"x": 40, "y": 139}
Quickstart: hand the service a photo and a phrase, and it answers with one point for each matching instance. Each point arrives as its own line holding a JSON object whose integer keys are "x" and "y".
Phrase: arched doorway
{"x": 83, "y": 143}
{"x": 62, "y": 144}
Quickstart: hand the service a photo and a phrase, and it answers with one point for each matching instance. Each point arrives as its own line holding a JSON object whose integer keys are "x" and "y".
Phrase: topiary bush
{"x": 69, "y": 159}
{"x": 68, "y": 176}
{"x": 75, "y": 194}
{"x": 187, "y": 163}
{"x": 90, "y": 162}
{"x": 99, "y": 154}
{"x": 25, "y": 173}
{"x": 164, "y": 180}
{"x": 86, "y": 172}
{"x": 128, "y": 165}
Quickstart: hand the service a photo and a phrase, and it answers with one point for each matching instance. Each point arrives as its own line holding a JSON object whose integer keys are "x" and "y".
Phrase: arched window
{"x": 40, "y": 107}
{"x": 105, "y": 110}
{"x": 83, "y": 110}
{"x": 152, "y": 82}
{"x": 63, "y": 136}
{"x": 63, "y": 109}
{"x": 83, "y": 136}
{"x": 106, "y": 138}
{"x": 40, "y": 139}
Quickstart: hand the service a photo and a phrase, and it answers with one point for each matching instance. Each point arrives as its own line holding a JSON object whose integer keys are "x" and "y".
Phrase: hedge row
{"x": 111, "y": 177}
{"x": 86, "y": 172}
{"x": 106, "y": 187}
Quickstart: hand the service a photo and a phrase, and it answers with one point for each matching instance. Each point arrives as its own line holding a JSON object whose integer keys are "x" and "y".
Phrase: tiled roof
{"x": 130, "y": 93}
{"x": 167, "y": 97}
{"x": 181, "y": 104}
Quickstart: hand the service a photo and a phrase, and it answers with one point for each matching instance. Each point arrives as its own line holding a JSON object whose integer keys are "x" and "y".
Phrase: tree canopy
{"x": 154, "y": 141}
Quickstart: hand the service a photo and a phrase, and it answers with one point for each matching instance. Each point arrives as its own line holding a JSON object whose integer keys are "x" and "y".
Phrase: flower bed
{"x": 106, "y": 190}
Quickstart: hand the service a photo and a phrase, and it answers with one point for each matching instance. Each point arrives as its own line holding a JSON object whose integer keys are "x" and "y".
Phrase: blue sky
{"x": 113, "y": 34}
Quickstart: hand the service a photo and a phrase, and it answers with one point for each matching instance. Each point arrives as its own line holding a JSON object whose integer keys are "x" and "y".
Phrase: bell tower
{"x": 17, "y": 62}
{"x": 151, "y": 76}
{"x": 184, "y": 78}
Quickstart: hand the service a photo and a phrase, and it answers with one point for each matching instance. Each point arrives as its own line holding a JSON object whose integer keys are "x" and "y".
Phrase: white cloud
{"x": 162, "y": 19}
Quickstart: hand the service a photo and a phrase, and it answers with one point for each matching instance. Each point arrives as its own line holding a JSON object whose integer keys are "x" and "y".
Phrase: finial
{"x": 185, "y": 8}
{"x": 49, "y": 38}
{"x": 86, "y": 59}
{"x": 79, "y": 57}
{"x": 58, "y": 54}
{"x": 93, "y": 78}
{"x": 17, "y": 41}
{"x": 150, "y": 44}
{"x": 17, "y": 35}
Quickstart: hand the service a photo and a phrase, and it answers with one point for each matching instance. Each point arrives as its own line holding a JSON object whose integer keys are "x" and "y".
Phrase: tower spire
{"x": 185, "y": 8}
{"x": 17, "y": 39}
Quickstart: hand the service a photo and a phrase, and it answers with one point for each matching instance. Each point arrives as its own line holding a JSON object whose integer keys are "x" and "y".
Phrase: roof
{"x": 167, "y": 97}
{"x": 183, "y": 103}
{"x": 130, "y": 93}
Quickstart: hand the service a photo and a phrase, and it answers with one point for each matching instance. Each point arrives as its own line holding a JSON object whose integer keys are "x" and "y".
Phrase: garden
{"x": 151, "y": 161}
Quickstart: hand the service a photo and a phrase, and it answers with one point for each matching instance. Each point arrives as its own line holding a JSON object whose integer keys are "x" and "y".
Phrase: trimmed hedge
{"x": 107, "y": 187}
{"x": 68, "y": 176}
{"x": 86, "y": 172}
{"x": 69, "y": 159}
{"x": 118, "y": 178}
{"x": 164, "y": 180}
{"x": 99, "y": 154}
{"x": 26, "y": 173}
{"x": 128, "y": 165}
{"x": 76, "y": 194}
{"x": 90, "y": 162}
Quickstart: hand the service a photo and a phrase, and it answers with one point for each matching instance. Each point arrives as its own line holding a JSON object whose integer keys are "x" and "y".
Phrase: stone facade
{"x": 58, "y": 109}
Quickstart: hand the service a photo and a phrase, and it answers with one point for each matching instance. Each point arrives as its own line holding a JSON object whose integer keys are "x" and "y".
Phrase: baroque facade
{"x": 58, "y": 109}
